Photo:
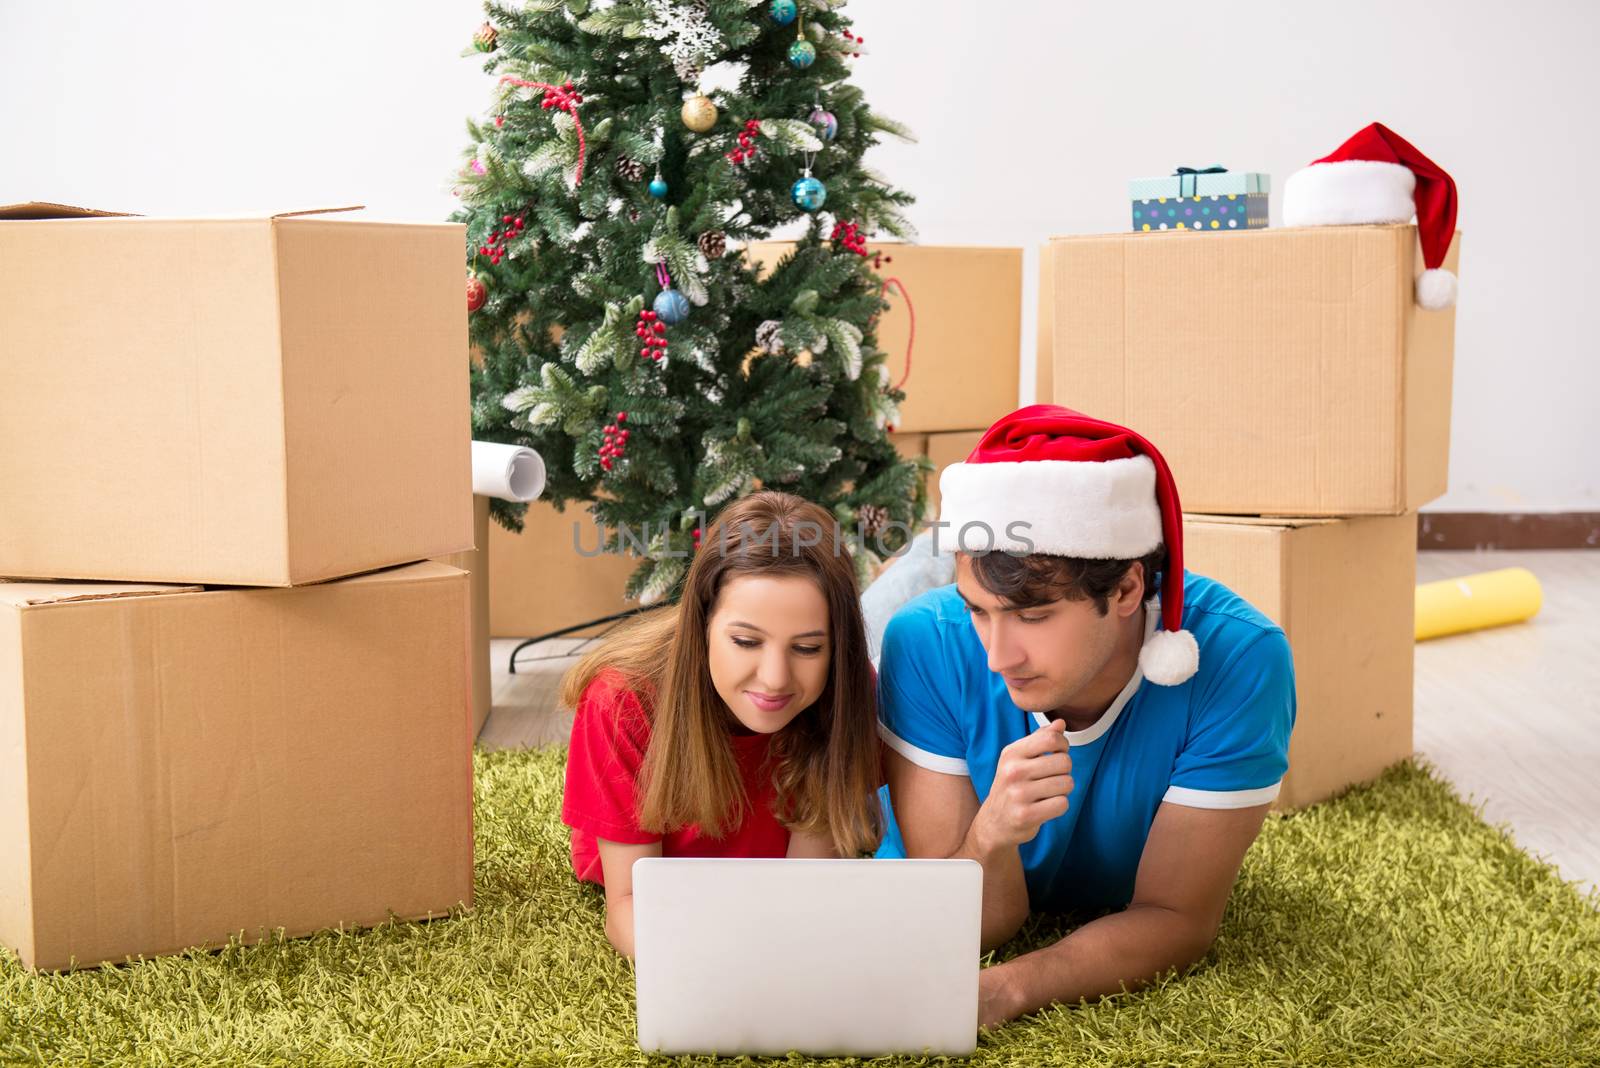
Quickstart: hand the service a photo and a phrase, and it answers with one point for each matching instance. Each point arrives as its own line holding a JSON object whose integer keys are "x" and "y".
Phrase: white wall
{"x": 1031, "y": 114}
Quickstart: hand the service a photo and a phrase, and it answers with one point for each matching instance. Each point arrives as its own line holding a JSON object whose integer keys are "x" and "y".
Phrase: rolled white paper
{"x": 510, "y": 472}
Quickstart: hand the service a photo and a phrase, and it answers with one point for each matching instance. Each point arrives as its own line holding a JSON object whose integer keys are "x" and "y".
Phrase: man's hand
{"x": 1186, "y": 874}
{"x": 1031, "y": 785}
{"x": 995, "y": 1005}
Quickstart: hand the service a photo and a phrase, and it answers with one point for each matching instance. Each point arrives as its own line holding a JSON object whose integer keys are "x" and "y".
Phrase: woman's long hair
{"x": 825, "y": 761}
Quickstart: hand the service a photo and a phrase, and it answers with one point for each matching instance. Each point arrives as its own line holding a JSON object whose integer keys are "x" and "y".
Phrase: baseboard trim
{"x": 1508, "y": 530}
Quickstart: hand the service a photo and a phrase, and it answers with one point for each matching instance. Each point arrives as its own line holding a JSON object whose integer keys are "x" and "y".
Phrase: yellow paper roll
{"x": 1471, "y": 602}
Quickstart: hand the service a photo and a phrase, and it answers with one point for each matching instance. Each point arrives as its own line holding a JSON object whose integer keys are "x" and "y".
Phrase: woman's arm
{"x": 806, "y": 844}
{"x": 616, "y": 861}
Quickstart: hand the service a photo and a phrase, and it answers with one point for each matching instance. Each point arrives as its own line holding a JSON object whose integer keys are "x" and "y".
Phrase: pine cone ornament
{"x": 767, "y": 337}
{"x": 629, "y": 170}
{"x": 713, "y": 243}
{"x": 486, "y": 38}
{"x": 873, "y": 519}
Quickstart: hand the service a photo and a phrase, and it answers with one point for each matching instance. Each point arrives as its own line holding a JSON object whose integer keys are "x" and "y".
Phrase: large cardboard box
{"x": 1044, "y": 371}
{"x": 540, "y": 581}
{"x": 1343, "y": 590}
{"x": 179, "y": 765}
{"x": 256, "y": 401}
{"x": 909, "y": 446}
{"x": 966, "y": 360}
{"x": 1284, "y": 372}
{"x": 944, "y": 450}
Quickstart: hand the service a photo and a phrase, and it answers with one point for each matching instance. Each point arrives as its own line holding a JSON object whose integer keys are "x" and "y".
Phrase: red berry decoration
{"x": 615, "y": 443}
{"x": 747, "y": 142}
{"x": 496, "y": 248}
{"x": 848, "y": 234}
{"x": 477, "y": 293}
{"x": 649, "y": 330}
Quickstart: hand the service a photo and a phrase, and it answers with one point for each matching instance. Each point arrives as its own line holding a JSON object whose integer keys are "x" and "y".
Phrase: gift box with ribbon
{"x": 1210, "y": 198}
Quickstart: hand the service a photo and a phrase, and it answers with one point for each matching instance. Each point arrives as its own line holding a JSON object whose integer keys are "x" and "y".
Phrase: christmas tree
{"x": 618, "y": 325}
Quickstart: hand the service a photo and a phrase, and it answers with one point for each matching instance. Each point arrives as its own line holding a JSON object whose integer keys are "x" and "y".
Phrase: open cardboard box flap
{"x": 33, "y": 594}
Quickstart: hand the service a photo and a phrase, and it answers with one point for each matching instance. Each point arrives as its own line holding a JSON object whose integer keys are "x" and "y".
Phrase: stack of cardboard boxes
{"x": 963, "y": 375}
{"x": 1302, "y": 400}
{"x": 233, "y": 688}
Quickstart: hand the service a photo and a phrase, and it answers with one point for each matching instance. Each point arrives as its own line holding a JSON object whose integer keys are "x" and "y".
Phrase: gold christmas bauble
{"x": 699, "y": 113}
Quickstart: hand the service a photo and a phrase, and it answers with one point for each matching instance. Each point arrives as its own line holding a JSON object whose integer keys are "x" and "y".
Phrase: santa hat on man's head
{"x": 1047, "y": 479}
{"x": 1379, "y": 177}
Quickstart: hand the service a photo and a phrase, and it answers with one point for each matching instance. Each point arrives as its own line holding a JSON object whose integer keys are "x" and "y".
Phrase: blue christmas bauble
{"x": 658, "y": 188}
{"x": 808, "y": 193}
{"x": 671, "y": 306}
{"x": 783, "y": 11}
{"x": 826, "y": 124}
{"x": 802, "y": 54}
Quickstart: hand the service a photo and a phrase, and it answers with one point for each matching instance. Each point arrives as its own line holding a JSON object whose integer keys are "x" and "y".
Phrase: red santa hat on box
{"x": 1047, "y": 479}
{"x": 1379, "y": 177}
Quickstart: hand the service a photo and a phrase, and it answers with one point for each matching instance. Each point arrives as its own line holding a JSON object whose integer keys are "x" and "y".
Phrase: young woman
{"x": 740, "y": 723}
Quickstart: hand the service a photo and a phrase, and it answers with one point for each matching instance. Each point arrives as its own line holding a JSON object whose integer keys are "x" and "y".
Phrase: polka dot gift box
{"x": 1211, "y": 199}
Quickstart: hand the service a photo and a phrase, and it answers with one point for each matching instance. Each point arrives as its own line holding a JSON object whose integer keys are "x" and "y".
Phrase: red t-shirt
{"x": 610, "y": 733}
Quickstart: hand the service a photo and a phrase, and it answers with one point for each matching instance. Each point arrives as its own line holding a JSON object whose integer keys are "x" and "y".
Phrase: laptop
{"x": 822, "y": 957}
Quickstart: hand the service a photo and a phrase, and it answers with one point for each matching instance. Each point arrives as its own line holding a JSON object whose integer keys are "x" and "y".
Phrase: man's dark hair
{"x": 1039, "y": 578}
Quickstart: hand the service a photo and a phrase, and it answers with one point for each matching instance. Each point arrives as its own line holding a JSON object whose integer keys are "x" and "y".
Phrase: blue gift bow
{"x": 1188, "y": 182}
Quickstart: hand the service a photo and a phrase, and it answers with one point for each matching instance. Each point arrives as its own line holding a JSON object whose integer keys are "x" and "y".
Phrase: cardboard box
{"x": 944, "y": 450}
{"x": 179, "y": 765}
{"x": 1343, "y": 590}
{"x": 1284, "y": 372}
{"x": 909, "y": 446}
{"x": 1044, "y": 370}
{"x": 966, "y": 362}
{"x": 476, "y": 564}
{"x": 258, "y": 401}
{"x": 540, "y": 582}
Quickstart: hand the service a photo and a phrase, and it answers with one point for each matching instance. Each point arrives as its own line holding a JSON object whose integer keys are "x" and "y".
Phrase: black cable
{"x": 512, "y": 663}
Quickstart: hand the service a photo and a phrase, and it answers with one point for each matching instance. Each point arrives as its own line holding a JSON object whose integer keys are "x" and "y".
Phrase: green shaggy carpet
{"x": 1390, "y": 926}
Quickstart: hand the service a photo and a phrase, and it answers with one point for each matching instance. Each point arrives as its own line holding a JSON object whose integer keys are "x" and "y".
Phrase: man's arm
{"x": 1186, "y": 872}
{"x": 939, "y": 816}
{"x": 935, "y": 812}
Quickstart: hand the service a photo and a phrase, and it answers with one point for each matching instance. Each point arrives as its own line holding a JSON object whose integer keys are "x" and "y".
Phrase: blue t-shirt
{"x": 1219, "y": 740}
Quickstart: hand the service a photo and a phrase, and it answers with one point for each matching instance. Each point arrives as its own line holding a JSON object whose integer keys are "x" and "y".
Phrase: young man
{"x": 1046, "y": 717}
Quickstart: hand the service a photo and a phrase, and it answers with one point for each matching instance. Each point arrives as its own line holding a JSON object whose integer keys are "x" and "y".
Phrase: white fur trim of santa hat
{"x": 1349, "y": 192}
{"x": 1095, "y": 511}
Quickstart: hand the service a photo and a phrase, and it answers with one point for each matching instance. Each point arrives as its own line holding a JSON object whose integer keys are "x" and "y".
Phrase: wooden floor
{"x": 1510, "y": 716}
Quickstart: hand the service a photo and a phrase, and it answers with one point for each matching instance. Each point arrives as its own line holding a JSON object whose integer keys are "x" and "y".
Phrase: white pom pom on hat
{"x": 1169, "y": 657}
{"x": 1377, "y": 176}
{"x": 1436, "y": 288}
